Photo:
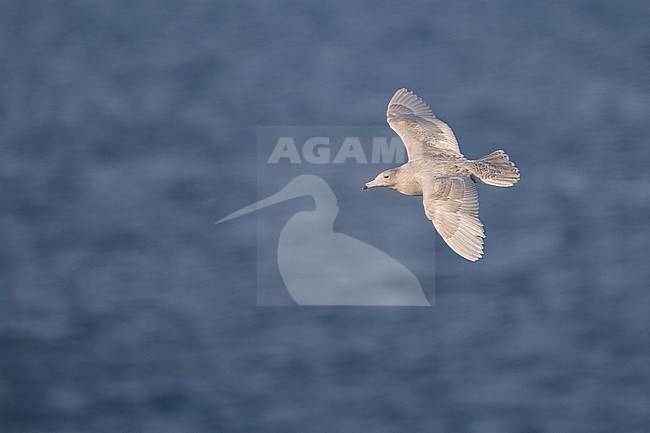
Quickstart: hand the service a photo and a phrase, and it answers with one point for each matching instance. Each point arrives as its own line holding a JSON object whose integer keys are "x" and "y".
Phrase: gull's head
{"x": 386, "y": 178}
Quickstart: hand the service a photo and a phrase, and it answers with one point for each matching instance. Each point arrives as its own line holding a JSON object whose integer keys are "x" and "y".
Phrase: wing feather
{"x": 451, "y": 203}
{"x": 420, "y": 130}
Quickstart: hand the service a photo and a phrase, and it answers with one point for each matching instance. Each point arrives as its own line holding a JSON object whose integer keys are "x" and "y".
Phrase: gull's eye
{"x": 386, "y": 177}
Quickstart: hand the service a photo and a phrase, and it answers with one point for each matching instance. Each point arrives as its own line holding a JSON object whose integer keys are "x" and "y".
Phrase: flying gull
{"x": 438, "y": 171}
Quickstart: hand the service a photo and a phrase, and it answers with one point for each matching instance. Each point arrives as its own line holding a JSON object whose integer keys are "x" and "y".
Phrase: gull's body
{"x": 438, "y": 171}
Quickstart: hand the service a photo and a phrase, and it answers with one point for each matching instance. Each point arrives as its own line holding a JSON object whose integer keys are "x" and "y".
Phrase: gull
{"x": 438, "y": 171}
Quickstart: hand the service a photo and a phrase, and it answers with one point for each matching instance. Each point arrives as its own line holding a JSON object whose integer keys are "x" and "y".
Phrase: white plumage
{"x": 439, "y": 172}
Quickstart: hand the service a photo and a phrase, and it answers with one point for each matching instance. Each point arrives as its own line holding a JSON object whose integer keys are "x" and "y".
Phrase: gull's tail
{"x": 495, "y": 169}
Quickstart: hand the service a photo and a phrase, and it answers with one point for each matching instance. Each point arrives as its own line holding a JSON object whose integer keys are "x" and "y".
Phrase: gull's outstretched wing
{"x": 451, "y": 203}
{"x": 418, "y": 127}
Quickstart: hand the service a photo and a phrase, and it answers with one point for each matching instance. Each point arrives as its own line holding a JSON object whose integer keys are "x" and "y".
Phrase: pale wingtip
{"x": 401, "y": 91}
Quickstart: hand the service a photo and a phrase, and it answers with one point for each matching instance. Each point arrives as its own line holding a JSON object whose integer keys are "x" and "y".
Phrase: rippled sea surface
{"x": 127, "y": 128}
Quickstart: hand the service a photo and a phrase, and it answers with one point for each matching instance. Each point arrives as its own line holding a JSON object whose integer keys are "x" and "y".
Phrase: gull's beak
{"x": 371, "y": 184}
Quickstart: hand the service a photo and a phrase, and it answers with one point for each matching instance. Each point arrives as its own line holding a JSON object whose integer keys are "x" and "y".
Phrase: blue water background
{"x": 127, "y": 128}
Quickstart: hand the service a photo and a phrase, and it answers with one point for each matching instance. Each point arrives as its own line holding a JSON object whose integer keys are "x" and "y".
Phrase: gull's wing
{"x": 451, "y": 203}
{"x": 418, "y": 127}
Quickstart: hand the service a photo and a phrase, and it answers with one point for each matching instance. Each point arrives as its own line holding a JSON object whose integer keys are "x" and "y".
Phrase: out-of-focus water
{"x": 127, "y": 128}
